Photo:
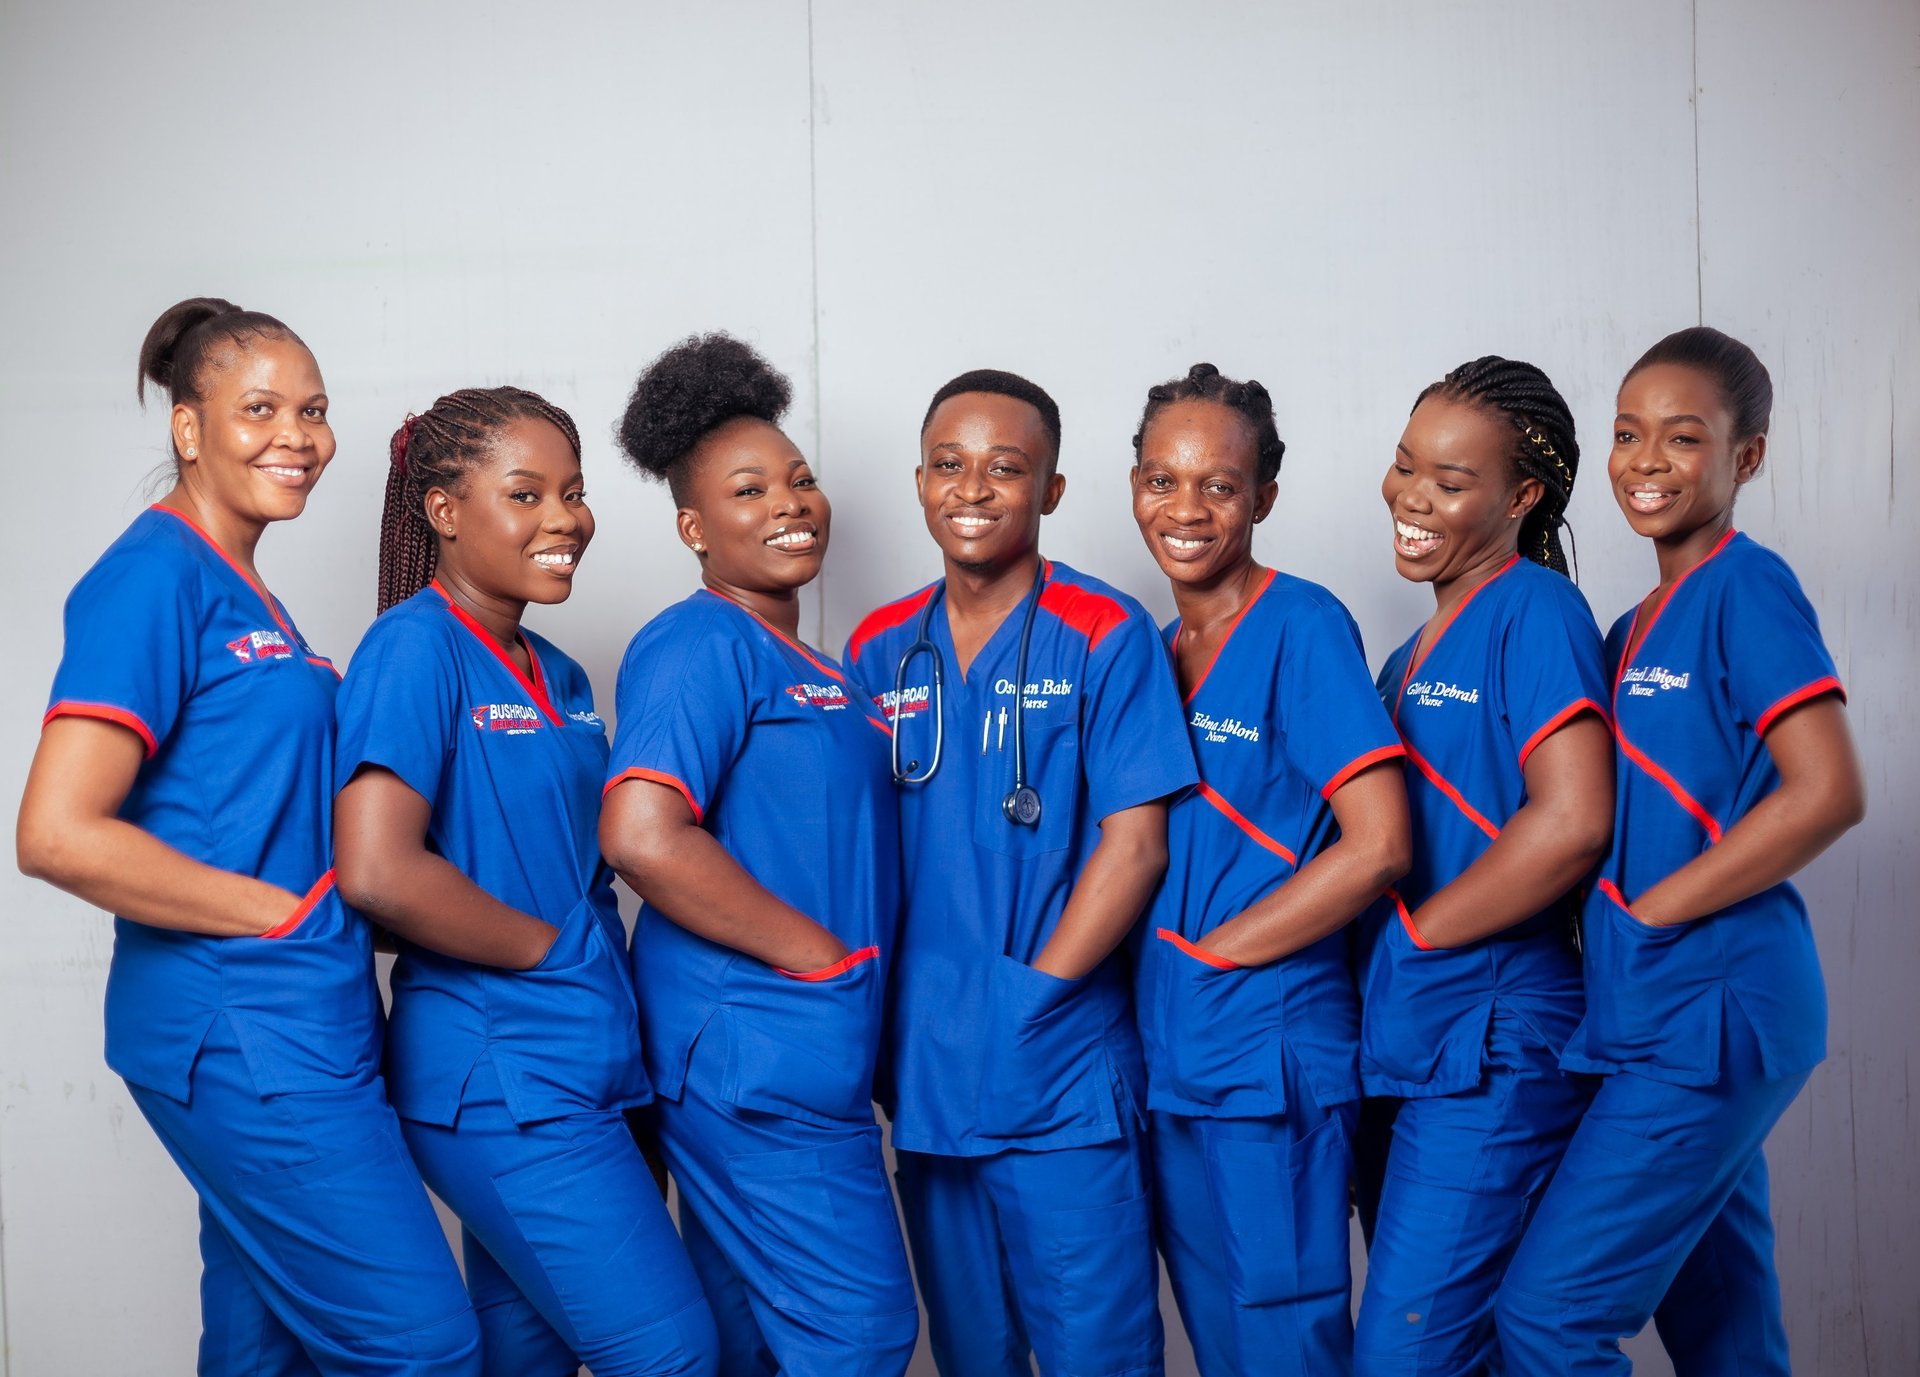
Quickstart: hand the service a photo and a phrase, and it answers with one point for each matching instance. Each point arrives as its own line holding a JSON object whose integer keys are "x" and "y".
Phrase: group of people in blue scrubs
{"x": 1175, "y": 943}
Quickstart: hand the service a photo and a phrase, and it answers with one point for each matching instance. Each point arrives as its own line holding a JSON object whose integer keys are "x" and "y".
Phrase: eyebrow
{"x": 1450, "y": 468}
{"x": 1700, "y": 421}
{"x": 959, "y": 448}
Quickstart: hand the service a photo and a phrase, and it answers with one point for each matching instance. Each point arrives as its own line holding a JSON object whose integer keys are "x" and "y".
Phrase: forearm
{"x": 1779, "y": 836}
{"x": 130, "y": 872}
{"x": 1534, "y": 861}
{"x": 688, "y": 876}
{"x": 429, "y": 902}
{"x": 1113, "y": 888}
{"x": 1317, "y": 900}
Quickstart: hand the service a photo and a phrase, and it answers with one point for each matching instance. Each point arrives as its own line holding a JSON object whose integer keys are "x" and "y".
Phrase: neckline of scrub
{"x": 1221, "y": 649}
{"x": 1636, "y": 639}
{"x": 536, "y": 686}
{"x": 782, "y": 636}
{"x": 1418, "y": 657}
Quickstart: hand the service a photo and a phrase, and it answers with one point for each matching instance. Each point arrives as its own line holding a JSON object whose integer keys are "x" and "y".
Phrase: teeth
{"x": 791, "y": 540}
{"x": 555, "y": 559}
{"x": 1184, "y": 545}
{"x": 284, "y": 472}
{"x": 1406, "y": 530}
{"x": 972, "y": 523}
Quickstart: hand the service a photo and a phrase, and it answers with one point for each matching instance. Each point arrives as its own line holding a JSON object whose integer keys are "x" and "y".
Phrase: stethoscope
{"x": 1022, "y": 806}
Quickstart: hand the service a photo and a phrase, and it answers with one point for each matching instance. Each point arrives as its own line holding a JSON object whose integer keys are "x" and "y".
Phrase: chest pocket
{"x": 1053, "y": 769}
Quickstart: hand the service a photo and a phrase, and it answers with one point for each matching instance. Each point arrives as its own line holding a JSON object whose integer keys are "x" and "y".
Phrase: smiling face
{"x": 1451, "y": 491}
{"x": 1676, "y": 464}
{"x": 254, "y": 446}
{"x": 985, "y": 479}
{"x": 518, "y": 526}
{"x": 1196, "y": 495}
{"x": 754, "y": 510}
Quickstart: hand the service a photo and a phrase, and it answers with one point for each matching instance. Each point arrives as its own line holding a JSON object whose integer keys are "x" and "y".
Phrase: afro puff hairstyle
{"x": 688, "y": 392}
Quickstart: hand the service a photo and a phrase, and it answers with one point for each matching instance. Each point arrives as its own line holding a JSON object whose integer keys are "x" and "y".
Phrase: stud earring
{"x": 699, "y": 548}
{"x": 192, "y": 453}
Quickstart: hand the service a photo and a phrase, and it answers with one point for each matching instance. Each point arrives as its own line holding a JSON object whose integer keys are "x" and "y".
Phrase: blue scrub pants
{"x": 321, "y": 1252}
{"x": 571, "y": 1256}
{"x": 1659, "y": 1210}
{"x": 1048, "y": 1252}
{"x": 1251, "y": 1216}
{"x": 1463, "y": 1175}
{"x": 793, "y": 1231}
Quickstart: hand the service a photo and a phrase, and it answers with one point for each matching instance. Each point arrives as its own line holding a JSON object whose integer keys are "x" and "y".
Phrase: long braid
{"x": 1544, "y": 444}
{"x": 437, "y": 449}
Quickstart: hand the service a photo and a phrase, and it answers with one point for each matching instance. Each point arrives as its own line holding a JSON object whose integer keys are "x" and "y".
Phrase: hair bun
{"x": 163, "y": 339}
{"x": 1201, "y": 372}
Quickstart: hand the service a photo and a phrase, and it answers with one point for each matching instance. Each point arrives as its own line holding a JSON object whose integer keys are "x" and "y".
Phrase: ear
{"x": 1264, "y": 497}
{"x": 1056, "y": 489}
{"x": 1526, "y": 495}
{"x": 920, "y": 482}
{"x": 1133, "y": 479}
{"x": 186, "y": 433}
{"x": 1750, "y": 460}
{"x": 686, "y": 521}
{"x": 443, "y": 513}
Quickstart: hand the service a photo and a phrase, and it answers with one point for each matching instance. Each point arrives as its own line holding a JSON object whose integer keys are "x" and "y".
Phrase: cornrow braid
{"x": 1206, "y": 383}
{"x": 1544, "y": 445}
{"x": 438, "y": 448}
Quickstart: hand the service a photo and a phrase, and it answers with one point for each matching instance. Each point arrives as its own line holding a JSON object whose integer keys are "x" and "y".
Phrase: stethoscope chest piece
{"x": 1022, "y": 806}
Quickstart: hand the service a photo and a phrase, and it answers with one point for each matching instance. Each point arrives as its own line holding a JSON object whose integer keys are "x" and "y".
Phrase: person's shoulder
{"x": 1535, "y": 590}
{"x": 888, "y": 617}
{"x": 1090, "y": 606}
{"x": 1298, "y": 600}
{"x": 156, "y": 553}
{"x": 415, "y": 629}
{"x": 1744, "y": 558}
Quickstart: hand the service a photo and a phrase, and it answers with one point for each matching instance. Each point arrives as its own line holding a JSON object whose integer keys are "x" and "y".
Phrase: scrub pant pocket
{"x": 1253, "y": 1226}
{"x": 316, "y": 1236}
{"x": 569, "y": 1216}
{"x": 1660, "y": 1204}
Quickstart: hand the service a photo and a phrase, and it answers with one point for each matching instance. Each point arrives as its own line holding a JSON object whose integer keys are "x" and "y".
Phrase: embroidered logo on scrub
{"x": 828, "y": 696}
{"x": 906, "y": 703}
{"x": 1231, "y": 729}
{"x": 591, "y": 719}
{"x": 515, "y": 719}
{"x": 1643, "y": 680}
{"x": 1434, "y": 693}
{"x": 260, "y": 645}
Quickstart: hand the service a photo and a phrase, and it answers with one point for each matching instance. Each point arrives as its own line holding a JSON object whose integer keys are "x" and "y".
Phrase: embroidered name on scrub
{"x": 1039, "y": 694}
{"x": 1436, "y": 693}
{"x": 1643, "y": 681}
{"x": 1211, "y": 729}
{"x": 515, "y": 719}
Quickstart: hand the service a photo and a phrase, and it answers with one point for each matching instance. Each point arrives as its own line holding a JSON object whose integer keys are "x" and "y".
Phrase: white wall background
{"x": 1341, "y": 200}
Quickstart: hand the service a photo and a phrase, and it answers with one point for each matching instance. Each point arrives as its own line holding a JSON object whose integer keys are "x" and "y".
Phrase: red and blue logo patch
{"x": 256, "y": 646}
{"x": 515, "y": 719}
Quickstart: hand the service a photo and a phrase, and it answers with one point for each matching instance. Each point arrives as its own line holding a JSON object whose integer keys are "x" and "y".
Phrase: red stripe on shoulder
{"x": 1092, "y": 614}
{"x": 884, "y": 619}
{"x": 1827, "y": 684}
{"x": 103, "y": 712}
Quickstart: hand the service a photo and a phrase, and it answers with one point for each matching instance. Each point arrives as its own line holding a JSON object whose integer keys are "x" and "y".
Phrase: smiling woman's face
{"x": 1676, "y": 464}
{"x": 257, "y": 441}
{"x": 519, "y": 524}
{"x": 754, "y": 505}
{"x": 1451, "y": 492}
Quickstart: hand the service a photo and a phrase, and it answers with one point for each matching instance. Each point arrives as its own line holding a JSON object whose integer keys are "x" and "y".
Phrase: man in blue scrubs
{"x": 1011, "y": 1067}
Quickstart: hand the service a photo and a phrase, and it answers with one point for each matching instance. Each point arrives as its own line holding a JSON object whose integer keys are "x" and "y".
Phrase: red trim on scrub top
{"x": 1232, "y": 627}
{"x": 307, "y": 903}
{"x": 657, "y": 777}
{"x": 1454, "y": 796}
{"x": 1092, "y": 614}
{"x": 1612, "y": 891}
{"x": 1636, "y": 642}
{"x": 878, "y": 723}
{"x": 1406, "y": 921}
{"x": 1829, "y": 684}
{"x": 1210, "y": 958}
{"x": 536, "y": 686}
{"x": 105, "y": 712}
{"x": 273, "y": 608}
{"x": 840, "y": 967}
{"x": 804, "y": 653}
{"x": 1360, "y": 763}
{"x": 884, "y": 619}
{"x": 1239, "y": 819}
{"x": 1559, "y": 720}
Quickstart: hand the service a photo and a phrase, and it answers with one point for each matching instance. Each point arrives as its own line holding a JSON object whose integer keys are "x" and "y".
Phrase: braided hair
{"x": 1206, "y": 383}
{"x": 181, "y": 345}
{"x": 687, "y": 393}
{"x": 438, "y": 449}
{"x": 1544, "y": 446}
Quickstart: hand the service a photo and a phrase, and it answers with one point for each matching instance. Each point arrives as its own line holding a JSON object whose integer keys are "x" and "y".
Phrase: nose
{"x": 560, "y": 516}
{"x": 973, "y": 486}
{"x": 1185, "y": 506}
{"x": 790, "y": 501}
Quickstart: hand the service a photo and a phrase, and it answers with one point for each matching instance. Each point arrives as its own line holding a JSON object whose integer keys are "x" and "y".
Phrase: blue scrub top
{"x": 168, "y": 638}
{"x": 984, "y": 1053}
{"x": 1282, "y": 718}
{"x": 511, "y": 765}
{"x": 1733, "y": 646}
{"x": 787, "y": 769}
{"x": 1518, "y": 660}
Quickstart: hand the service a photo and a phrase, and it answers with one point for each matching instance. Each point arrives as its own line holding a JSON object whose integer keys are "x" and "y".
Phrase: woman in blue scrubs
{"x": 472, "y": 759}
{"x": 1247, "y": 1009}
{"x": 1706, "y": 1011}
{"x": 184, "y": 781}
{"x": 1469, "y": 979}
{"x": 748, "y": 802}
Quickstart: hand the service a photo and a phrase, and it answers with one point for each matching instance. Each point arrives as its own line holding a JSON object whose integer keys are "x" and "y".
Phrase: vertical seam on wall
{"x": 1693, "y": 101}
{"x": 813, "y": 252}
